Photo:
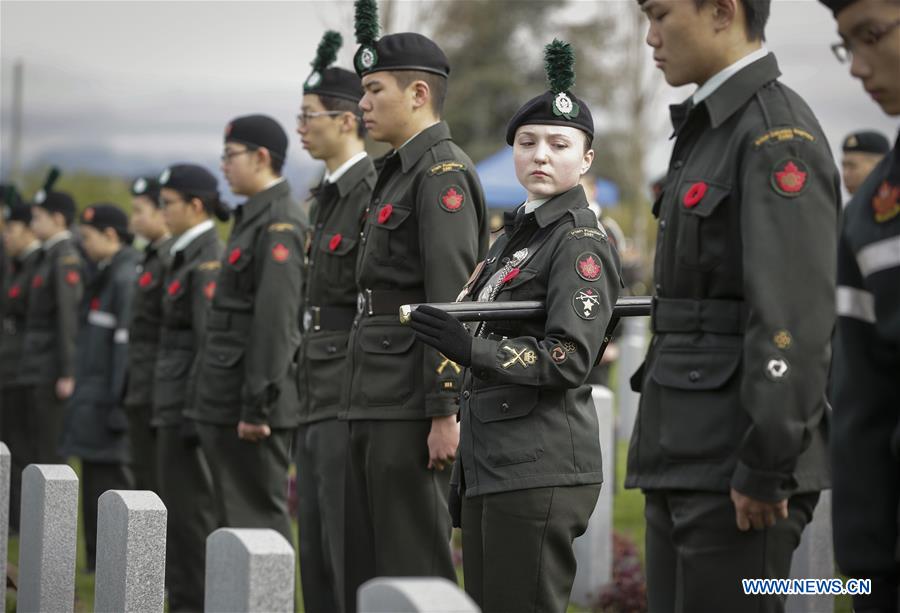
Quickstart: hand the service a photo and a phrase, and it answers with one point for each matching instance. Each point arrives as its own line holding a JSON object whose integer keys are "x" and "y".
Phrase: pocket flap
{"x": 326, "y": 347}
{"x": 695, "y": 369}
{"x": 714, "y": 195}
{"x": 224, "y": 358}
{"x": 398, "y": 216}
{"x": 503, "y": 402}
{"x": 174, "y": 365}
{"x": 384, "y": 339}
{"x": 345, "y": 244}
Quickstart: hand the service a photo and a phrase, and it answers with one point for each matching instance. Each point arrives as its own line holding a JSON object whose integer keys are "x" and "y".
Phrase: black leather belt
{"x": 387, "y": 302}
{"x": 328, "y": 318}
{"x": 685, "y": 315}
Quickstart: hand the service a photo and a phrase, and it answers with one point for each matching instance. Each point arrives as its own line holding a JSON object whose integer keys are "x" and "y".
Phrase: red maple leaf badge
{"x": 280, "y": 253}
{"x": 452, "y": 199}
{"x": 589, "y": 269}
{"x": 72, "y": 277}
{"x": 886, "y": 202}
{"x": 791, "y": 179}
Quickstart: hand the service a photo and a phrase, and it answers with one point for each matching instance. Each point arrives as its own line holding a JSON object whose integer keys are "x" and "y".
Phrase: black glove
{"x": 116, "y": 420}
{"x": 188, "y": 433}
{"x": 443, "y": 332}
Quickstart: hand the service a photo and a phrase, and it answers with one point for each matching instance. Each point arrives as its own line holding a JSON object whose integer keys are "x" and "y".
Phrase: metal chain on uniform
{"x": 489, "y": 292}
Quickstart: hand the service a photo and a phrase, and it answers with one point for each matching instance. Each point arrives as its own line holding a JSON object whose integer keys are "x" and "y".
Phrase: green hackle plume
{"x": 366, "y": 21}
{"x": 326, "y": 54}
{"x": 559, "y": 63}
{"x": 50, "y": 181}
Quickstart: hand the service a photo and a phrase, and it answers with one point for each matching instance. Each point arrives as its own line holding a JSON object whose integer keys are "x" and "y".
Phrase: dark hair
{"x": 212, "y": 204}
{"x": 332, "y": 103}
{"x": 756, "y": 14}
{"x": 277, "y": 162}
{"x": 588, "y": 141}
{"x": 436, "y": 84}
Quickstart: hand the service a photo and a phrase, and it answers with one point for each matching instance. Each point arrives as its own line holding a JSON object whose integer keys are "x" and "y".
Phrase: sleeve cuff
{"x": 762, "y": 485}
{"x": 441, "y": 406}
{"x": 484, "y": 352}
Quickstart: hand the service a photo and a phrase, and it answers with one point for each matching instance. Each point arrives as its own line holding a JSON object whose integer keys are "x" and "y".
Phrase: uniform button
{"x": 361, "y": 234}
{"x": 658, "y": 287}
{"x": 504, "y": 408}
{"x": 385, "y": 343}
{"x": 678, "y": 164}
{"x": 662, "y": 224}
{"x": 694, "y": 376}
{"x": 221, "y": 357}
{"x": 466, "y": 394}
{"x": 332, "y": 348}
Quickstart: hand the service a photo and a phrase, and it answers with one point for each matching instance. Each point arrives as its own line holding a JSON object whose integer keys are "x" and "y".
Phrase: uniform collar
{"x": 334, "y": 177}
{"x": 730, "y": 95}
{"x": 56, "y": 239}
{"x": 27, "y": 251}
{"x": 412, "y": 150}
{"x": 716, "y": 81}
{"x": 258, "y": 202}
{"x": 188, "y": 237}
{"x": 551, "y": 210}
{"x": 354, "y": 173}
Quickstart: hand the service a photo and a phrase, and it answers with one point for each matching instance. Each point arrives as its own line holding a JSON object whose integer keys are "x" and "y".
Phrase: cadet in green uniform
{"x": 143, "y": 332}
{"x": 865, "y": 392}
{"x": 96, "y": 424}
{"x": 425, "y": 230}
{"x": 246, "y": 398}
{"x": 331, "y": 130}
{"x": 861, "y": 152}
{"x": 19, "y": 428}
{"x": 189, "y": 197}
{"x": 529, "y": 468}
{"x": 729, "y": 440}
{"x": 51, "y": 324}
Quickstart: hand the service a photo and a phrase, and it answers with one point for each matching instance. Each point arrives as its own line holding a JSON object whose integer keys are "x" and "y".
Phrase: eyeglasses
{"x": 868, "y": 37}
{"x": 304, "y": 117}
{"x": 226, "y": 157}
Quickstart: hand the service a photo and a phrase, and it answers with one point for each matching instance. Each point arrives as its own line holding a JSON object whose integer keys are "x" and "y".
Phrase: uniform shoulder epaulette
{"x": 448, "y": 166}
{"x": 211, "y": 265}
{"x": 586, "y": 226}
{"x": 281, "y": 227}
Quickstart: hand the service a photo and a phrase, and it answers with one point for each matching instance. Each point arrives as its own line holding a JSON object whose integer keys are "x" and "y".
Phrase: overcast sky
{"x": 147, "y": 79}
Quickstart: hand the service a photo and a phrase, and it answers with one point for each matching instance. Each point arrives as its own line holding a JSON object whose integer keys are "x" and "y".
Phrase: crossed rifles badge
{"x": 448, "y": 362}
{"x": 586, "y": 302}
{"x": 524, "y": 357}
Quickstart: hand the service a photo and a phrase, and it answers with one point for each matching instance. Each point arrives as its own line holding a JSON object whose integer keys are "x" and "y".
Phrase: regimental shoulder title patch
{"x": 886, "y": 202}
{"x": 578, "y": 233}
{"x": 281, "y": 227}
{"x": 780, "y": 135}
{"x": 211, "y": 265}
{"x": 452, "y": 198}
{"x": 789, "y": 177}
{"x": 442, "y": 167}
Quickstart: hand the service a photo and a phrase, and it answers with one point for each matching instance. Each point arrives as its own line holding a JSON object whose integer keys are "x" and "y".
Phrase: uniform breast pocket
{"x": 702, "y": 224}
{"x": 505, "y": 427}
{"x": 700, "y": 408}
{"x": 392, "y": 233}
{"x": 523, "y": 286}
{"x": 326, "y": 358}
{"x": 390, "y": 362}
{"x": 337, "y": 257}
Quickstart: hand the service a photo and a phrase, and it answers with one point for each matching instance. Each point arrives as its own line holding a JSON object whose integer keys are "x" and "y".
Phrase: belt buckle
{"x": 364, "y": 302}
{"x": 312, "y": 319}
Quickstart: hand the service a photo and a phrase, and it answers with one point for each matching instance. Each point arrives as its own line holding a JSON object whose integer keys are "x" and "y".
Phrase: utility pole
{"x": 15, "y": 142}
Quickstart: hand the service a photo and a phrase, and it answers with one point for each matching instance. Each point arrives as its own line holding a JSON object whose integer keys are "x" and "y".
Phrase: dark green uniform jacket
{"x": 252, "y": 328}
{"x": 329, "y": 301}
{"x": 95, "y": 420}
{"x": 51, "y": 325}
{"x": 733, "y": 387}
{"x": 865, "y": 444}
{"x": 425, "y": 231}
{"x": 143, "y": 331}
{"x": 527, "y": 416}
{"x": 13, "y": 308}
{"x": 188, "y": 288}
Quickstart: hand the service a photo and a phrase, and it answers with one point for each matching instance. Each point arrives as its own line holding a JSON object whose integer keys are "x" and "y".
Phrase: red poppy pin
{"x": 72, "y": 277}
{"x": 335, "y": 242}
{"x": 234, "y": 256}
{"x": 14, "y": 291}
{"x": 588, "y": 267}
{"x": 145, "y": 280}
{"x": 280, "y": 253}
{"x": 452, "y": 198}
{"x": 385, "y": 213}
{"x": 789, "y": 177}
{"x": 512, "y": 274}
{"x": 95, "y": 303}
{"x": 209, "y": 290}
{"x": 886, "y": 202}
{"x": 174, "y": 287}
{"x": 694, "y": 194}
{"x": 37, "y": 281}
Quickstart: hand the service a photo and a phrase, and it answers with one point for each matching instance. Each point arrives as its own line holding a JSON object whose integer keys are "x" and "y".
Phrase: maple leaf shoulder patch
{"x": 588, "y": 266}
{"x": 452, "y": 198}
{"x": 790, "y": 177}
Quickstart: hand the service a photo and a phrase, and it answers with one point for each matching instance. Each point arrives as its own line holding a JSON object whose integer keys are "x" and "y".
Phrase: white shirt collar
{"x": 273, "y": 183}
{"x": 531, "y": 205}
{"x": 190, "y": 235}
{"x": 343, "y": 168}
{"x": 411, "y": 138}
{"x": 56, "y": 239}
{"x": 717, "y": 80}
{"x": 31, "y": 248}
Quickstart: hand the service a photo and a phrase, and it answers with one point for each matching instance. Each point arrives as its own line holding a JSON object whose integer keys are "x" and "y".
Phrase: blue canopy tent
{"x": 502, "y": 190}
